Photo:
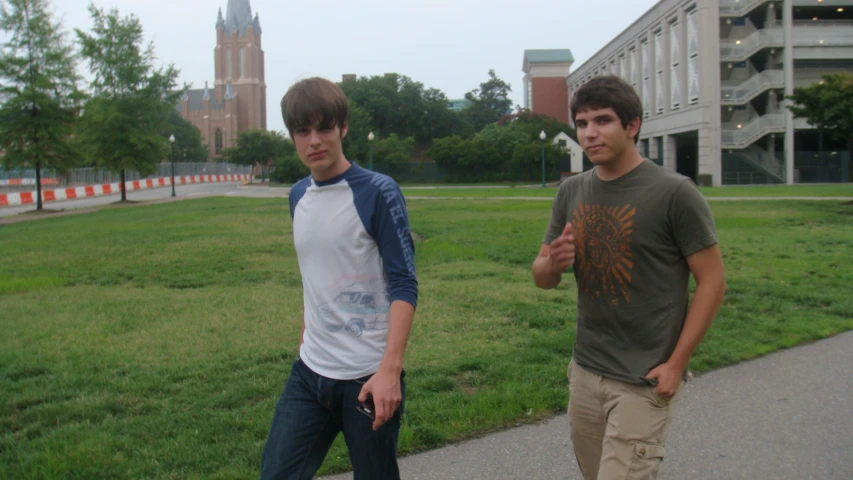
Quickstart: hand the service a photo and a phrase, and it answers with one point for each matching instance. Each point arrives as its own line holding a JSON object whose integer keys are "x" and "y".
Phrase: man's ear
{"x": 633, "y": 127}
{"x": 344, "y": 130}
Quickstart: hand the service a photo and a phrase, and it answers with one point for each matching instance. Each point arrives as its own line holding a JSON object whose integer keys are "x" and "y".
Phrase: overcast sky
{"x": 444, "y": 44}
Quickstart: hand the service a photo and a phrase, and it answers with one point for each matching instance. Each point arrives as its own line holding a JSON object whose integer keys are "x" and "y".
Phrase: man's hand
{"x": 669, "y": 377}
{"x": 562, "y": 254}
{"x": 385, "y": 388}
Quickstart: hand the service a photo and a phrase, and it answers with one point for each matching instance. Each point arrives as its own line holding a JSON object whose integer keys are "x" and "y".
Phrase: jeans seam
{"x": 311, "y": 450}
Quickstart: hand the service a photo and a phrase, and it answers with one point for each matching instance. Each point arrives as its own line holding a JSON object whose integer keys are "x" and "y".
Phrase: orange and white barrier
{"x": 60, "y": 194}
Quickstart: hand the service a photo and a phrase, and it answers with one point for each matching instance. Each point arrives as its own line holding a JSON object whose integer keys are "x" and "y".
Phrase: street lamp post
{"x": 370, "y": 138}
{"x": 542, "y": 138}
{"x": 172, "y": 158}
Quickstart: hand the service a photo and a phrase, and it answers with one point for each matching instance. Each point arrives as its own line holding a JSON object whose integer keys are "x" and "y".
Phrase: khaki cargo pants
{"x": 618, "y": 429}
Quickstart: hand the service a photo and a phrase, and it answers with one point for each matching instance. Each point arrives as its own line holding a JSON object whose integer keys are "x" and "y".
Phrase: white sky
{"x": 444, "y": 44}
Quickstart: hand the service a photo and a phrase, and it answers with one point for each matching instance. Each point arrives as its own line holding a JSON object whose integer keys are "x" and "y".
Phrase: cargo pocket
{"x": 647, "y": 458}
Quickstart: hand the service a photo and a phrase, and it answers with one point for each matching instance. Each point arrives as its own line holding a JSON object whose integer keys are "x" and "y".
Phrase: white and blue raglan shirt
{"x": 356, "y": 256}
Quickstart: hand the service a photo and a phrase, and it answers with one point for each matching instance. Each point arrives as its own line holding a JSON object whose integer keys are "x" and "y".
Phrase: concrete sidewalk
{"x": 788, "y": 415}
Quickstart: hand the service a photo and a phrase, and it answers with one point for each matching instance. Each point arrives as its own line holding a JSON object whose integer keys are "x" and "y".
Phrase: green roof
{"x": 549, "y": 56}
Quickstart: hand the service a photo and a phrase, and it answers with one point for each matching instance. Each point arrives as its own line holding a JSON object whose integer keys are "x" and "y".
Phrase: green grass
{"x": 835, "y": 190}
{"x": 153, "y": 342}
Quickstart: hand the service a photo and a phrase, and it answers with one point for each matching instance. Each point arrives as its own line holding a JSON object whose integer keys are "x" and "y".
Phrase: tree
{"x": 258, "y": 146}
{"x": 396, "y": 104}
{"x": 533, "y": 123}
{"x": 188, "y": 146}
{"x": 122, "y": 124}
{"x": 38, "y": 90}
{"x": 393, "y": 152}
{"x": 355, "y": 144}
{"x": 489, "y": 102}
{"x": 828, "y": 105}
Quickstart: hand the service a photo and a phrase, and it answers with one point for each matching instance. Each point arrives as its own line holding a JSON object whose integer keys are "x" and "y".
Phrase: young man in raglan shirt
{"x": 633, "y": 233}
{"x": 356, "y": 257}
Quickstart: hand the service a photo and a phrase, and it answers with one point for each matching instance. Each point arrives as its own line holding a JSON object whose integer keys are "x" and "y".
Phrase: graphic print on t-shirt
{"x": 603, "y": 249}
{"x": 355, "y": 308}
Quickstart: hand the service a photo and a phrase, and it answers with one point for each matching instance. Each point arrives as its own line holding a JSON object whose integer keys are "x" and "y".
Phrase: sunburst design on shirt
{"x": 603, "y": 250}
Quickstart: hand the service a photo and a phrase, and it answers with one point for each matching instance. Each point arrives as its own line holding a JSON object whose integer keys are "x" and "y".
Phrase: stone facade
{"x": 237, "y": 101}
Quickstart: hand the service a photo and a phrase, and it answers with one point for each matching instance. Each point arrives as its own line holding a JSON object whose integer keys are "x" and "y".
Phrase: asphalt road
{"x": 786, "y": 416}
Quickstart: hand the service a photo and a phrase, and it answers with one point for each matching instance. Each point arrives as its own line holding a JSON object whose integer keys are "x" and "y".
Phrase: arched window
{"x": 218, "y": 141}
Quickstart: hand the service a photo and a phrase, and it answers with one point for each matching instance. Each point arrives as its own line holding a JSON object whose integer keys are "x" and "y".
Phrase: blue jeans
{"x": 309, "y": 415}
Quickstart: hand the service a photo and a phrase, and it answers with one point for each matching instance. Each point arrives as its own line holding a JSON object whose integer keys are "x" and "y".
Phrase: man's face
{"x": 602, "y": 136}
{"x": 319, "y": 149}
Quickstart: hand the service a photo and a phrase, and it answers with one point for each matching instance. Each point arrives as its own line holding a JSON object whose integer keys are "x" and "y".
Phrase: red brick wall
{"x": 551, "y": 97}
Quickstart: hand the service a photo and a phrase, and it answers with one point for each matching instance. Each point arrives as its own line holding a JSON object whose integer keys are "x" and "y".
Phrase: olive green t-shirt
{"x": 632, "y": 237}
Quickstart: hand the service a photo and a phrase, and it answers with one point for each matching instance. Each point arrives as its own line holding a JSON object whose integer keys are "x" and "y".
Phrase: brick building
{"x": 545, "y": 89}
{"x": 237, "y": 101}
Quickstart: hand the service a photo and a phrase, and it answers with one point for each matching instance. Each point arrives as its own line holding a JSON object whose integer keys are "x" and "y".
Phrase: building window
{"x": 218, "y": 140}
{"x": 659, "y": 78}
{"x": 530, "y": 94}
{"x": 675, "y": 65}
{"x": 562, "y": 143}
{"x": 693, "y": 57}
{"x": 242, "y": 62}
{"x": 646, "y": 87}
{"x": 228, "y": 64}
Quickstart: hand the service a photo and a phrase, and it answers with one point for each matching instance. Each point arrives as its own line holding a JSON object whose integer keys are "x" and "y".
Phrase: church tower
{"x": 239, "y": 64}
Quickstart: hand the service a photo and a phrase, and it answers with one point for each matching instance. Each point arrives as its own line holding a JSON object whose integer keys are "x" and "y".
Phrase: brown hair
{"x": 314, "y": 101}
{"x": 609, "y": 91}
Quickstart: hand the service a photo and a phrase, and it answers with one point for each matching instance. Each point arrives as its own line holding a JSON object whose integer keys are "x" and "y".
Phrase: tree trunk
{"x": 123, "y": 187}
{"x": 39, "y": 205}
{"x": 849, "y": 159}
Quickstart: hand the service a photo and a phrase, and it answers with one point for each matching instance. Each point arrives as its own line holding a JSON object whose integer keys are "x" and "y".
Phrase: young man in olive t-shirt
{"x": 632, "y": 233}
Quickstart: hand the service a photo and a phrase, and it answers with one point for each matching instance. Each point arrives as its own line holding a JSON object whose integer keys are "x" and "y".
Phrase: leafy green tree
{"x": 533, "y": 123}
{"x": 828, "y": 105}
{"x": 259, "y": 146}
{"x": 526, "y": 161}
{"x": 39, "y": 97}
{"x": 489, "y": 102}
{"x": 122, "y": 124}
{"x": 396, "y": 104}
{"x": 288, "y": 169}
{"x": 498, "y": 142}
{"x": 188, "y": 145}
{"x": 446, "y": 152}
{"x": 355, "y": 144}
{"x": 393, "y": 152}
{"x": 462, "y": 159}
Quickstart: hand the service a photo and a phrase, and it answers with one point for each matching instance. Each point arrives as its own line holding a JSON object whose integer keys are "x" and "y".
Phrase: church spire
{"x": 220, "y": 22}
{"x": 257, "y": 23}
{"x": 239, "y": 17}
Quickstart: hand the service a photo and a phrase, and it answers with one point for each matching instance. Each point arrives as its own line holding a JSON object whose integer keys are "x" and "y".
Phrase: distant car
{"x": 359, "y": 310}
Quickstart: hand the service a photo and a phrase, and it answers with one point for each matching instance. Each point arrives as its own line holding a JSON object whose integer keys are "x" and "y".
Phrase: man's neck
{"x": 626, "y": 162}
{"x": 340, "y": 166}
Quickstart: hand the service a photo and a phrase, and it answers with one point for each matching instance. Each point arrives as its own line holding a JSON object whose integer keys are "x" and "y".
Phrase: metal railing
{"x": 742, "y": 137}
{"x": 736, "y": 50}
{"x": 837, "y": 34}
{"x": 738, "y": 8}
{"x": 746, "y": 91}
{"x": 761, "y": 159}
{"x": 745, "y": 178}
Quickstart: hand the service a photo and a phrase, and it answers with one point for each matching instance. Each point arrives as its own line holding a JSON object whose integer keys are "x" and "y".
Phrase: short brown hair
{"x": 314, "y": 101}
{"x": 609, "y": 91}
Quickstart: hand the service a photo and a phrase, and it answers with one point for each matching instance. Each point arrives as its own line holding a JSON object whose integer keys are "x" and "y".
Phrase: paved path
{"x": 786, "y": 416}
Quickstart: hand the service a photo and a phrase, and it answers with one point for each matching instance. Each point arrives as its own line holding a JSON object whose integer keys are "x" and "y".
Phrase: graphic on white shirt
{"x": 357, "y": 308}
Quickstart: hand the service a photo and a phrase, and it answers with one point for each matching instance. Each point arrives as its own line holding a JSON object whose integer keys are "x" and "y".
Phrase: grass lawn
{"x": 834, "y": 190}
{"x": 153, "y": 342}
